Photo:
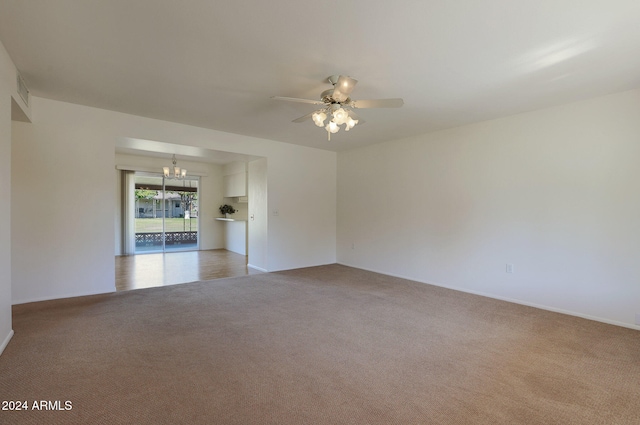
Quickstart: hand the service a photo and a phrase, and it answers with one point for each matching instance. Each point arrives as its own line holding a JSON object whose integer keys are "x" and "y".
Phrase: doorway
{"x": 165, "y": 213}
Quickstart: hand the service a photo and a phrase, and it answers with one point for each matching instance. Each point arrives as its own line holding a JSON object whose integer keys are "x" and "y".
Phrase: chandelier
{"x": 339, "y": 116}
{"x": 178, "y": 173}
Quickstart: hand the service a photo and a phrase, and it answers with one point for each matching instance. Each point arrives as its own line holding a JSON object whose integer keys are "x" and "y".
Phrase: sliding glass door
{"x": 165, "y": 213}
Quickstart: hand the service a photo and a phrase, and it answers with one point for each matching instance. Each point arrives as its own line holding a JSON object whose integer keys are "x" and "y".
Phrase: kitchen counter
{"x": 235, "y": 235}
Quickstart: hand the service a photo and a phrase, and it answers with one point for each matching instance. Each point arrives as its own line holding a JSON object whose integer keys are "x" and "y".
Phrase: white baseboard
{"x": 511, "y": 300}
{"x": 60, "y": 296}
{"x": 6, "y": 341}
{"x": 257, "y": 268}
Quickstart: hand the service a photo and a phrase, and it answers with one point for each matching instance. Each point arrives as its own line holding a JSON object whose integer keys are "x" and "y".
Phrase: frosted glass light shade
{"x": 318, "y": 118}
{"x": 350, "y": 124}
{"x": 340, "y": 116}
{"x": 332, "y": 127}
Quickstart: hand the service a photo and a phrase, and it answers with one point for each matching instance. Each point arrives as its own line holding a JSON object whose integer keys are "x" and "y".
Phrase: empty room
{"x": 412, "y": 213}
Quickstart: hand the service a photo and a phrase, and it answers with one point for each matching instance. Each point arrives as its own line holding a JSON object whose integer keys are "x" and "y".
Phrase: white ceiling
{"x": 216, "y": 64}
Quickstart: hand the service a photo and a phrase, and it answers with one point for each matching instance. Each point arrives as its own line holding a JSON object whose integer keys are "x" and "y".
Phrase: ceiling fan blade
{"x": 296, "y": 99}
{"x": 344, "y": 87}
{"x": 378, "y": 103}
{"x": 304, "y": 117}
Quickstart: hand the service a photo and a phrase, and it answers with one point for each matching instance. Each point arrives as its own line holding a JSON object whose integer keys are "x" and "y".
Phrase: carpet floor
{"x": 321, "y": 345}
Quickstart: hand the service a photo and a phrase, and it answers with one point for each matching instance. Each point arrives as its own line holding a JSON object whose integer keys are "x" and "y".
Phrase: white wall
{"x": 65, "y": 161}
{"x": 258, "y": 217}
{"x": 10, "y": 104}
{"x": 306, "y": 210}
{"x": 6, "y": 71}
{"x": 63, "y": 187}
{"x": 554, "y": 192}
{"x": 211, "y": 232}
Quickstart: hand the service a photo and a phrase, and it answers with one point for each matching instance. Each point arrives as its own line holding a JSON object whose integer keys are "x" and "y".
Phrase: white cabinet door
{"x": 226, "y": 183}
{"x": 235, "y": 185}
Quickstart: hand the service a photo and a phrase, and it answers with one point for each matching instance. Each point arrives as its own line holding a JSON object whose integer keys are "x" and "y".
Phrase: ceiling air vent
{"x": 23, "y": 90}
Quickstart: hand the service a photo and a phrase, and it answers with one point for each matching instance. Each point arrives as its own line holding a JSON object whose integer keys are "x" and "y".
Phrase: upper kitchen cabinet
{"x": 235, "y": 185}
{"x": 235, "y": 180}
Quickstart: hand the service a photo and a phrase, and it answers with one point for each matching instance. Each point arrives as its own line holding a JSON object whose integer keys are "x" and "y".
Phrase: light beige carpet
{"x": 323, "y": 345}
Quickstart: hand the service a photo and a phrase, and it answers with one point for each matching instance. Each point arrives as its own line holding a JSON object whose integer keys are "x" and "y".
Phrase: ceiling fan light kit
{"x": 340, "y": 116}
{"x": 339, "y": 106}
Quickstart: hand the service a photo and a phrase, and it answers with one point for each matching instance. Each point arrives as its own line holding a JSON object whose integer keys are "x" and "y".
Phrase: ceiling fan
{"x": 337, "y": 104}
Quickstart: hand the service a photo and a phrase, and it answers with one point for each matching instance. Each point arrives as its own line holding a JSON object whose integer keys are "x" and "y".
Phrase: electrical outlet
{"x": 353, "y": 245}
{"x": 509, "y": 268}
{"x": 276, "y": 213}
{"x": 637, "y": 318}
